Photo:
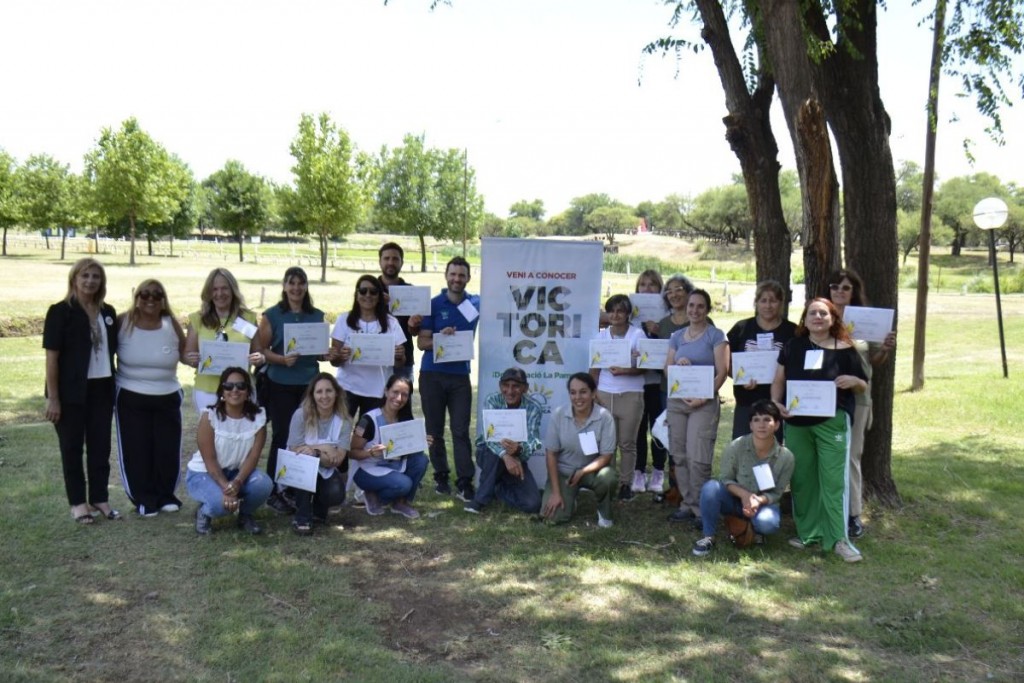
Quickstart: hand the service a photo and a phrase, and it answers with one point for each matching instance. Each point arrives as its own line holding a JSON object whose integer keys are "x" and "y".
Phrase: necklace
{"x": 690, "y": 336}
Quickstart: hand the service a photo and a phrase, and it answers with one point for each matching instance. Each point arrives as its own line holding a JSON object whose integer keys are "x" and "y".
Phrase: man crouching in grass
{"x": 755, "y": 470}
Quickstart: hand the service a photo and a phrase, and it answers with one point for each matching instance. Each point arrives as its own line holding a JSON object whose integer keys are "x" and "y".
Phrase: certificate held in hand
{"x": 297, "y": 470}
{"x": 216, "y": 356}
{"x": 403, "y": 438}
{"x": 451, "y": 348}
{"x": 505, "y": 424}
{"x": 372, "y": 349}
{"x": 691, "y": 381}
{"x": 306, "y": 339}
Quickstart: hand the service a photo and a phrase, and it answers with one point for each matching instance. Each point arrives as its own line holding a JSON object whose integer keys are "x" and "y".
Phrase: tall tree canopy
{"x": 45, "y": 198}
{"x": 240, "y": 201}
{"x": 8, "y": 206}
{"x": 329, "y": 195}
{"x": 133, "y": 178}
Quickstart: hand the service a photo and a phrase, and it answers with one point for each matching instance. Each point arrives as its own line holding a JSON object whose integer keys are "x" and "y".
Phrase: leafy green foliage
{"x": 240, "y": 201}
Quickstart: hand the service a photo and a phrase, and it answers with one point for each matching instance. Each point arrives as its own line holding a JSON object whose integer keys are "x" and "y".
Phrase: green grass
{"x": 498, "y": 597}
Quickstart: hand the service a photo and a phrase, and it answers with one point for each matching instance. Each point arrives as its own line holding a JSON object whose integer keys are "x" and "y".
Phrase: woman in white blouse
{"x": 222, "y": 475}
{"x": 150, "y": 343}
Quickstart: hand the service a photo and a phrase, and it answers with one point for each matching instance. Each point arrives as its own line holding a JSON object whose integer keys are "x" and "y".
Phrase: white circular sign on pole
{"x": 991, "y": 213}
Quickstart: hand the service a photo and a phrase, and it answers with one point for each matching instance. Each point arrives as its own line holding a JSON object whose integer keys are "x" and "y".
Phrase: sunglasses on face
{"x": 841, "y": 288}
{"x": 368, "y": 291}
{"x": 147, "y": 295}
{"x": 235, "y": 386}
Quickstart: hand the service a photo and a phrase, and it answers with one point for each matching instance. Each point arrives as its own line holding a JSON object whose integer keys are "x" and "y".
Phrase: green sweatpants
{"x": 820, "y": 481}
{"x": 603, "y": 483}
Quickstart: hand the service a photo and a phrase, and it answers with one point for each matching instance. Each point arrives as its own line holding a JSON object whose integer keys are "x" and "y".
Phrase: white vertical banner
{"x": 539, "y": 306}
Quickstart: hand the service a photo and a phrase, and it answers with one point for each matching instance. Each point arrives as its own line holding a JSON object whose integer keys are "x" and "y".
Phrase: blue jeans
{"x": 715, "y": 501}
{"x": 440, "y": 392}
{"x": 204, "y": 489}
{"x": 495, "y": 480}
{"x": 395, "y": 485}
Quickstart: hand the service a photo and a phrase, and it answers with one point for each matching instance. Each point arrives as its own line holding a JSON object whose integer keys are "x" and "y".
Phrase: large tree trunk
{"x": 799, "y": 92}
{"x": 861, "y": 128}
{"x": 323, "y": 255}
{"x": 5, "y": 240}
{"x": 241, "y": 245}
{"x": 924, "y": 241}
{"x": 423, "y": 253}
{"x": 749, "y": 133}
{"x": 131, "y": 232}
{"x": 63, "y": 243}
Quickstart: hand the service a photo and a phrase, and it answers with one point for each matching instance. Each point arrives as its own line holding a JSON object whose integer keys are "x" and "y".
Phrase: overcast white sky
{"x": 543, "y": 94}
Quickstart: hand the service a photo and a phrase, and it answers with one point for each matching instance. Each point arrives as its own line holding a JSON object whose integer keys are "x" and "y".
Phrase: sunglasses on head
{"x": 150, "y": 295}
{"x": 840, "y": 288}
{"x": 368, "y": 291}
{"x": 235, "y": 386}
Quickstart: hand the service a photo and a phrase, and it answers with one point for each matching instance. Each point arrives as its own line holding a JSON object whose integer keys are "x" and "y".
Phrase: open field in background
{"x": 939, "y": 597}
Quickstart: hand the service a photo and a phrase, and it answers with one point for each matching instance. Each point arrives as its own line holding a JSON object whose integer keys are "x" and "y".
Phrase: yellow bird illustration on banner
{"x": 643, "y": 359}
{"x": 206, "y": 364}
{"x": 674, "y": 388}
{"x": 740, "y": 374}
{"x": 595, "y": 359}
{"x": 395, "y": 304}
{"x": 794, "y": 404}
{"x": 390, "y": 446}
{"x": 357, "y": 353}
{"x": 490, "y": 431}
{"x": 291, "y": 345}
{"x": 281, "y": 472}
{"x": 439, "y": 353}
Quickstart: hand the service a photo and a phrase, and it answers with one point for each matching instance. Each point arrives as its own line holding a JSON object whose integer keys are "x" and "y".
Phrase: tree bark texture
{"x": 748, "y": 131}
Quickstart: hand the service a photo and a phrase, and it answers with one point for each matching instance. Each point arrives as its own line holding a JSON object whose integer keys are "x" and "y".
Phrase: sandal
{"x": 84, "y": 520}
{"x": 111, "y": 513}
{"x": 302, "y": 528}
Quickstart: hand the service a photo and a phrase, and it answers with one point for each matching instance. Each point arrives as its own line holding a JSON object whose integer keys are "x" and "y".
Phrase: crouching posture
{"x": 755, "y": 471}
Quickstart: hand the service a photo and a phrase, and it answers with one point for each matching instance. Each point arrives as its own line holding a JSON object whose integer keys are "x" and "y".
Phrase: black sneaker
{"x": 625, "y": 492}
{"x": 249, "y": 525}
{"x": 682, "y": 515}
{"x": 280, "y": 504}
{"x": 204, "y": 523}
{"x": 855, "y": 528}
{"x": 704, "y": 546}
{"x": 443, "y": 488}
{"x": 466, "y": 493}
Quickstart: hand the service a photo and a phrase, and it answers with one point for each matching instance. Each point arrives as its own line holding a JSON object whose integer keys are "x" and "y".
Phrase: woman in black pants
{"x": 79, "y": 337}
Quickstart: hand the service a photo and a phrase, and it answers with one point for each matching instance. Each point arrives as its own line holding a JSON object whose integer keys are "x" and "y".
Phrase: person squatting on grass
{"x": 621, "y": 389}
{"x": 822, "y": 351}
{"x": 222, "y": 475}
{"x": 693, "y": 422}
{"x": 580, "y": 443}
{"x": 503, "y": 464}
{"x": 387, "y": 481}
{"x": 320, "y": 427}
{"x": 79, "y": 336}
{"x": 754, "y": 472}
{"x": 150, "y": 344}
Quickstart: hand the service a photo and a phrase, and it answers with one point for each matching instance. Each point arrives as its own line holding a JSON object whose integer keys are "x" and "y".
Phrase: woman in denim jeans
{"x": 222, "y": 474}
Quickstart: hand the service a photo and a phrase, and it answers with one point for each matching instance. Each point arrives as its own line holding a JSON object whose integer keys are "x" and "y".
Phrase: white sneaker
{"x": 604, "y": 523}
{"x": 657, "y": 483}
{"x": 847, "y": 552}
{"x": 170, "y": 507}
{"x": 639, "y": 482}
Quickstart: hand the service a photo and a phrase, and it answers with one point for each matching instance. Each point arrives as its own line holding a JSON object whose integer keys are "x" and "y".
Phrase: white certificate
{"x": 811, "y": 398}
{"x": 372, "y": 349}
{"x": 244, "y": 327}
{"x": 451, "y": 348}
{"x": 759, "y": 366}
{"x": 648, "y": 307}
{"x": 611, "y": 353}
{"x": 404, "y": 300}
{"x": 468, "y": 310}
{"x": 763, "y": 475}
{"x": 216, "y": 356}
{"x": 691, "y": 381}
{"x": 588, "y": 443}
{"x": 505, "y": 424}
{"x": 868, "y": 324}
{"x": 297, "y": 470}
{"x": 306, "y": 339}
{"x": 653, "y": 353}
{"x": 403, "y": 438}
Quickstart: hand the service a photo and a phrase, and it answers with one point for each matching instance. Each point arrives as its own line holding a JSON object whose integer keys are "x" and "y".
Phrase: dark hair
{"x": 388, "y": 246}
{"x": 584, "y": 377}
{"x": 837, "y": 329}
{"x": 857, "y": 296}
{"x": 307, "y": 300}
{"x": 763, "y": 406}
{"x": 652, "y": 275}
{"x": 380, "y": 310}
{"x": 703, "y": 293}
{"x": 249, "y": 408}
{"x": 616, "y": 301}
{"x": 456, "y": 261}
{"x": 395, "y": 379}
{"x": 772, "y": 286}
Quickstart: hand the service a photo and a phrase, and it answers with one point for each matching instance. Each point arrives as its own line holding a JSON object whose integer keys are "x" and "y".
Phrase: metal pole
{"x": 999, "y": 305}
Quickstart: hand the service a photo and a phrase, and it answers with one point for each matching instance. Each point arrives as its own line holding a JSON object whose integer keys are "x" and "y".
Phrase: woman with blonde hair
{"x": 150, "y": 344}
{"x": 222, "y": 317}
{"x": 80, "y": 337}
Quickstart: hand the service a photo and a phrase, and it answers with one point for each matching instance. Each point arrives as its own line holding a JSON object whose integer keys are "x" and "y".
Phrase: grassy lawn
{"x": 499, "y": 597}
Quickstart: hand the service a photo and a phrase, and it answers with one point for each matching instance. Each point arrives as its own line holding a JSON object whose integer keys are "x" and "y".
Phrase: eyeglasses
{"x": 368, "y": 291}
{"x": 147, "y": 295}
{"x": 235, "y": 386}
{"x": 675, "y": 290}
{"x": 840, "y": 288}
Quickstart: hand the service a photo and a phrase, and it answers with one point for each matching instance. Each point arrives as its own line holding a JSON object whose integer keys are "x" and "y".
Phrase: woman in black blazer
{"x": 80, "y": 337}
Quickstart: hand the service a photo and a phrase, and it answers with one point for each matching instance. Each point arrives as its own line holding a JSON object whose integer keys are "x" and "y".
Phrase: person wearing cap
{"x": 503, "y": 464}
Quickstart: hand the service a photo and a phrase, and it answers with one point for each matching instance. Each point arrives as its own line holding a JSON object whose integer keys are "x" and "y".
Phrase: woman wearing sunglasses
{"x": 150, "y": 343}
{"x": 364, "y": 384}
{"x": 223, "y": 475}
{"x": 847, "y": 289}
{"x": 222, "y": 317}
